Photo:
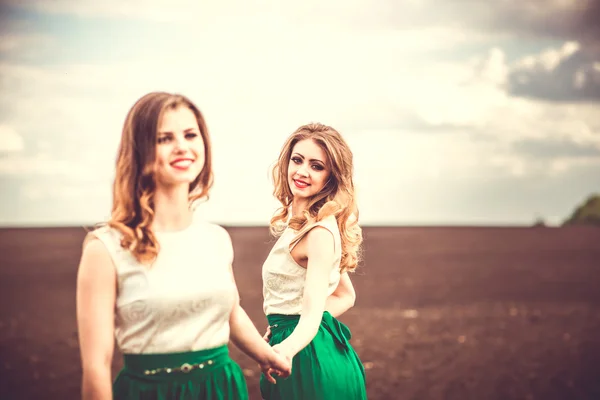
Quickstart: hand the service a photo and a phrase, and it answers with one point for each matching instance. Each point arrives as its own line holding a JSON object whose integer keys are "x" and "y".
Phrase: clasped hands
{"x": 279, "y": 363}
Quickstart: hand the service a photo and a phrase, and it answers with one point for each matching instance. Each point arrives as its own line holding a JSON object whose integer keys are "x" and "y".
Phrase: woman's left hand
{"x": 278, "y": 364}
{"x": 267, "y": 335}
{"x": 286, "y": 352}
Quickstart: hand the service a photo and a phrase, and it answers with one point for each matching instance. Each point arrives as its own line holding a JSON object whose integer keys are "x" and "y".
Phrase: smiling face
{"x": 179, "y": 148}
{"x": 308, "y": 169}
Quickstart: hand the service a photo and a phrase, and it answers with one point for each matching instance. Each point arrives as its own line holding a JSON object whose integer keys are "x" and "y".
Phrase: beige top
{"x": 283, "y": 278}
{"x": 181, "y": 302}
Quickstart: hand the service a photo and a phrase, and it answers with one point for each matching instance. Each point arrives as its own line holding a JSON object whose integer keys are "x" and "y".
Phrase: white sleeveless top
{"x": 283, "y": 278}
{"x": 182, "y": 301}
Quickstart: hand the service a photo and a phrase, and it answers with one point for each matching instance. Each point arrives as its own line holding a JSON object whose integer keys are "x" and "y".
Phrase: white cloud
{"x": 492, "y": 68}
{"x": 471, "y": 99}
{"x": 359, "y": 13}
{"x": 43, "y": 166}
{"x": 10, "y": 140}
{"x": 291, "y": 76}
{"x": 182, "y": 10}
{"x": 250, "y": 108}
{"x": 153, "y": 10}
{"x": 81, "y": 191}
{"x": 564, "y": 74}
{"x": 549, "y": 59}
{"x": 419, "y": 126}
{"x": 12, "y": 43}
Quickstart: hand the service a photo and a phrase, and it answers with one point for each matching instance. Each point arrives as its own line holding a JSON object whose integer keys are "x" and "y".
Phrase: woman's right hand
{"x": 276, "y": 364}
{"x": 267, "y": 335}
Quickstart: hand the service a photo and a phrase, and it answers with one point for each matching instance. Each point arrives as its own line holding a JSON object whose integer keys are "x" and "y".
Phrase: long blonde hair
{"x": 336, "y": 198}
{"x": 135, "y": 185}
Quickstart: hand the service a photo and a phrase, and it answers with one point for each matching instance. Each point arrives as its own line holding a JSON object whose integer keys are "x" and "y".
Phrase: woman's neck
{"x": 298, "y": 206}
{"x": 171, "y": 209}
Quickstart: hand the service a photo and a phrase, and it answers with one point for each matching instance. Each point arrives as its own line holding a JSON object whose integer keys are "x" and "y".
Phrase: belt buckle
{"x": 185, "y": 368}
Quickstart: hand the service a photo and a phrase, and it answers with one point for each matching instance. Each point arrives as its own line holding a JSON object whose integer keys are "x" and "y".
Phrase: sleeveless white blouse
{"x": 182, "y": 302}
{"x": 283, "y": 278}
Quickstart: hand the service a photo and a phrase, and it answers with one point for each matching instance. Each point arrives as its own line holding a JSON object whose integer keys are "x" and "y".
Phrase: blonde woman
{"x": 157, "y": 280}
{"x": 319, "y": 243}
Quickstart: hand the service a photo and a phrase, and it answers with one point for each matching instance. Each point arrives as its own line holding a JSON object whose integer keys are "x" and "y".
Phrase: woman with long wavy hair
{"x": 157, "y": 280}
{"x": 319, "y": 243}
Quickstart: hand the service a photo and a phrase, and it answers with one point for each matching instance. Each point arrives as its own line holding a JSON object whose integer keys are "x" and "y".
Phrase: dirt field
{"x": 441, "y": 313}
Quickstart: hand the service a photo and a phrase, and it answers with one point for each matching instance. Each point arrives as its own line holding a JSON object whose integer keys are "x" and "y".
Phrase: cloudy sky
{"x": 458, "y": 112}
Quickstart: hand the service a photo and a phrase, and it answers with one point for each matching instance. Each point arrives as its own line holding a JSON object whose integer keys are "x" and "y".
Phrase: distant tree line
{"x": 587, "y": 213}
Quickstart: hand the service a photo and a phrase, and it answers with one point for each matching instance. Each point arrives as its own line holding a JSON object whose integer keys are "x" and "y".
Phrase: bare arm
{"x": 344, "y": 296}
{"x": 96, "y": 296}
{"x": 320, "y": 246}
{"x": 342, "y": 299}
{"x": 244, "y": 335}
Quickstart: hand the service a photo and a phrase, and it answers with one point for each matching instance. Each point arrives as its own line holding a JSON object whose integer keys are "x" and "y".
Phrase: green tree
{"x": 586, "y": 213}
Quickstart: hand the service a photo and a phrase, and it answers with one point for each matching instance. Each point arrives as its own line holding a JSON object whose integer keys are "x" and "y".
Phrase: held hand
{"x": 276, "y": 364}
{"x": 267, "y": 336}
{"x": 282, "y": 350}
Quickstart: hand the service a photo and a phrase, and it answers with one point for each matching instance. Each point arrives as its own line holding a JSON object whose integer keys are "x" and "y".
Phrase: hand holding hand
{"x": 283, "y": 350}
{"x": 278, "y": 364}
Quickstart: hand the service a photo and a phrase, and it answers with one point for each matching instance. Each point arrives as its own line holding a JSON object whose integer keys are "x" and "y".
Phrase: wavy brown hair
{"x": 336, "y": 198}
{"x": 135, "y": 185}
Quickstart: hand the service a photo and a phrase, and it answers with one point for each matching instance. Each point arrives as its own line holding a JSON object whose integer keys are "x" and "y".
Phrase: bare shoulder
{"x": 92, "y": 246}
{"x": 319, "y": 232}
{"x": 95, "y": 258}
{"x": 320, "y": 240}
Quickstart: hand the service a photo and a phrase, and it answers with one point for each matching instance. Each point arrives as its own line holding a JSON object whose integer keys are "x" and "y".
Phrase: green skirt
{"x": 206, "y": 374}
{"x": 327, "y": 369}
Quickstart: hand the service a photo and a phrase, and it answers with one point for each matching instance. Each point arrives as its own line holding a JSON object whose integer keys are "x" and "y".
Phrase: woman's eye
{"x": 317, "y": 167}
{"x": 163, "y": 139}
{"x": 191, "y": 135}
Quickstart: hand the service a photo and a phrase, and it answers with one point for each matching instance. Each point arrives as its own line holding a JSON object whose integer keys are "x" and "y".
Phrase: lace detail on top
{"x": 283, "y": 278}
{"x": 181, "y": 302}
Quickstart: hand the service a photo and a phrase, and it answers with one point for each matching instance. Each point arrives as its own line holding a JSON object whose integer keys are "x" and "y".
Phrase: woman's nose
{"x": 181, "y": 144}
{"x": 302, "y": 170}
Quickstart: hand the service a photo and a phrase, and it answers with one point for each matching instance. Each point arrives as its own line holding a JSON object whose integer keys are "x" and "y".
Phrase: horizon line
{"x": 264, "y": 226}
